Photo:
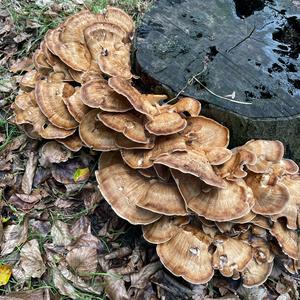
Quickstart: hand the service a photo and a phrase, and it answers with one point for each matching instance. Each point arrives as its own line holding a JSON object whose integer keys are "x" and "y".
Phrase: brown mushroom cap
{"x": 229, "y": 203}
{"x": 269, "y": 199}
{"x": 72, "y": 142}
{"x": 202, "y": 133}
{"x": 245, "y": 219}
{"x": 124, "y": 143}
{"x": 164, "y": 229}
{"x": 75, "y": 106}
{"x": 267, "y": 152}
{"x": 97, "y": 94}
{"x": 126, "y": 123}
{"x": 190, "y": 105}
{"x": 119, "y": 184}
{"x": 194, "y": 163}
{"x": 73, "y": 54}
{"x": 287, "y": 239}
{"x": 40, "y": 62}
{"x": 117, "y": 16}
{"x": 144, "y": 103}
{"x": 50, "y": 99}
{"x": 231, "y": 254}
{"x": 165, "y": 123}
{"x": 234, "y": 167}
{"x": 290, "y": 211}
{"x": 190, "y": 248}
{"x": 95, "y": 135}
{"x": 73, "y": 27}
{"x": 218, "y": 155}
{"x": 29, "y": 80}
{"x": 138, "y": 159}
{"x": 256, "y": 274}
{"x": 261, "y": 221}
{"x": 31, "y": 114}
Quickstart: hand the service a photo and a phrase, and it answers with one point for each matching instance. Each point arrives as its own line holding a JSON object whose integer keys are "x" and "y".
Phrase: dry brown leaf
{"x": 31, "y": 263}
{"x": 23, "y": 64}
{"x": 80, "y": 227}
{"x": 61, "y": 234}
{"x": 27, "y": 179}
{"x": 53, "y": 152}
{"x": 37, "y": 294}
{"x": 115, "y": 288}
{"x": 14, "y": 235}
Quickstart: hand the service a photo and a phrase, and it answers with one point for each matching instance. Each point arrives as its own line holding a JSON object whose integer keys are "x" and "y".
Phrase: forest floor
{"x": 48, "y": 209}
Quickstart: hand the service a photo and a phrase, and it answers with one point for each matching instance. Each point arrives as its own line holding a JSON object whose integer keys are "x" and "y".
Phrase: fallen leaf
{"x": 83, "y": 260}
{"x": 81, "y": 174}
{"x": 42, "y": 227}
{"x": 64, "y": 287}
{"x": 14, "y": 236}
{"x": 27, "y": 179}
{"x": 37, "y": 294}
{"x": 53, "y": 152}
{"x": 31, "y": 264}
{"x": 91, "y": 197}
{"x": 23, "y": 64}
{"x": 5, "y": 273}
{"x": 115, "y": 288}
{"x": 80, "y": 227}
{"x": 60, "y": 234}
{"x": 22, "y": 37}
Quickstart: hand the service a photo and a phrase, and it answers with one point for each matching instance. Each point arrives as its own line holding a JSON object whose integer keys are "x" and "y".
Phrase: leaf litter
{"x": 58, "y": 236}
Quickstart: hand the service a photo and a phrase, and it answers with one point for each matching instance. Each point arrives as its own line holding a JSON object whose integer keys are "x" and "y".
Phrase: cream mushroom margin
{"x": 163, "y": 166}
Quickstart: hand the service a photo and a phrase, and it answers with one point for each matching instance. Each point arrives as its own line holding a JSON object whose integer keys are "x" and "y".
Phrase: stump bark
{"x": 239, "y": 57}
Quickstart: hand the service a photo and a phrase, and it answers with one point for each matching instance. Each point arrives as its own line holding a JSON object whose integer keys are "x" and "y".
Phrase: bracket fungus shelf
{"x": 209, "y": 209}
{"x": 240, "y": 57}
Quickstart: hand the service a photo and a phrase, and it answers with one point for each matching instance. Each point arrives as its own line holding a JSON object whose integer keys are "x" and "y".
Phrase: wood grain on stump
{"x": 240, "y": 57}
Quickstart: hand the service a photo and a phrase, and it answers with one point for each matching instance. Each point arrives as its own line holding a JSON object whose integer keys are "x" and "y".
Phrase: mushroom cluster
{"x": 163, "y": 165}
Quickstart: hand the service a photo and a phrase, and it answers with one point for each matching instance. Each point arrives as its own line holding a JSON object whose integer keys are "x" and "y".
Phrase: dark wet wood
{"x": 229, "y": 51}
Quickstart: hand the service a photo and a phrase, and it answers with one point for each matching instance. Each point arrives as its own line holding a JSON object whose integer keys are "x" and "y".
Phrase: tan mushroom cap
{"x": 147, "y": 104}
{"x": 234, "y": 167}
{"x": 231, "y": 254}
{"x": 290, "y": 211}
{"x": 73, "y": 54}
{"x": 83, "y": 77}
{"x": 262, "y": 251}
{"x": 124, "y": 143}
{"x": 202, "y": 133}
{"x": 72, "y": 142}
{"x": 122, "y": 188}
{"x": 190, "y": 248}
{"x": 128, "y": 124}
{"x": 31, "y": 114}
{"x": 40, "y": 62}
{"x": 137, "y": 190}
{"x": 224, "y": 226}
{"x": 190, "y": 105}
{"x": 162, "y": 172}
{"x": 137, "y": 159}
{"x": 218, "y": 155}
{"x": 95, "y": 135}
{"x": 75, "y": 106}
{"x": 269, "y": 199}
{"x": 267, "y": 152}
{"x": 50, "y": 99}
{"x": 29, "y": 80}
{"x": 165, "y": 123}
{"x": 164, "y": 229}
{"x": 119, "y": 17}
{"x": 256, "y": 274}
{"x": 262, "y": 221}
{"x": 98, "y": 94}
{"x": 288, "y": 239}
{"x": 221, "y": 205}
{"x": 194, "y": 163}
{"x": 74, "y": 26}
{"x": 245, "y": 219}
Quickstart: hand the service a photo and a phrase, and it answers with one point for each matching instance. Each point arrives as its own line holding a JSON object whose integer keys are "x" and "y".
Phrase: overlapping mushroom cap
{"x": 163, "y": 165}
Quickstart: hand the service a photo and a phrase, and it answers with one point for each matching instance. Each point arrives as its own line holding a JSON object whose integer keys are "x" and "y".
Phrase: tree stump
{"x": 239, "y": 57}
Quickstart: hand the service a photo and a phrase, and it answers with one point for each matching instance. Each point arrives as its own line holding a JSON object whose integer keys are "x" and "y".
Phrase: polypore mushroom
{"x": 95, "y": 135}
{"x": 29, "y": 80}
{"x": 164, "y": 229}
{"x": 73, "y": 142}
{"x": 290, "y": 211}
{"x": 75, "y": 106}
{"x": 288, "y": 239}
{"x": 98, "y": 94}
{"x": 50, "y": 99}
{"x": 124, "y": 143}
{"x": 134, "y": 197}
{"x": 190, "y": 247}
{"x": 128, "y": 124}
{"x": 231, "y": 255}
{"x": 269, "y": 199}
{"x": 267, "y": 153}
{"x": 216, "y": 204}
